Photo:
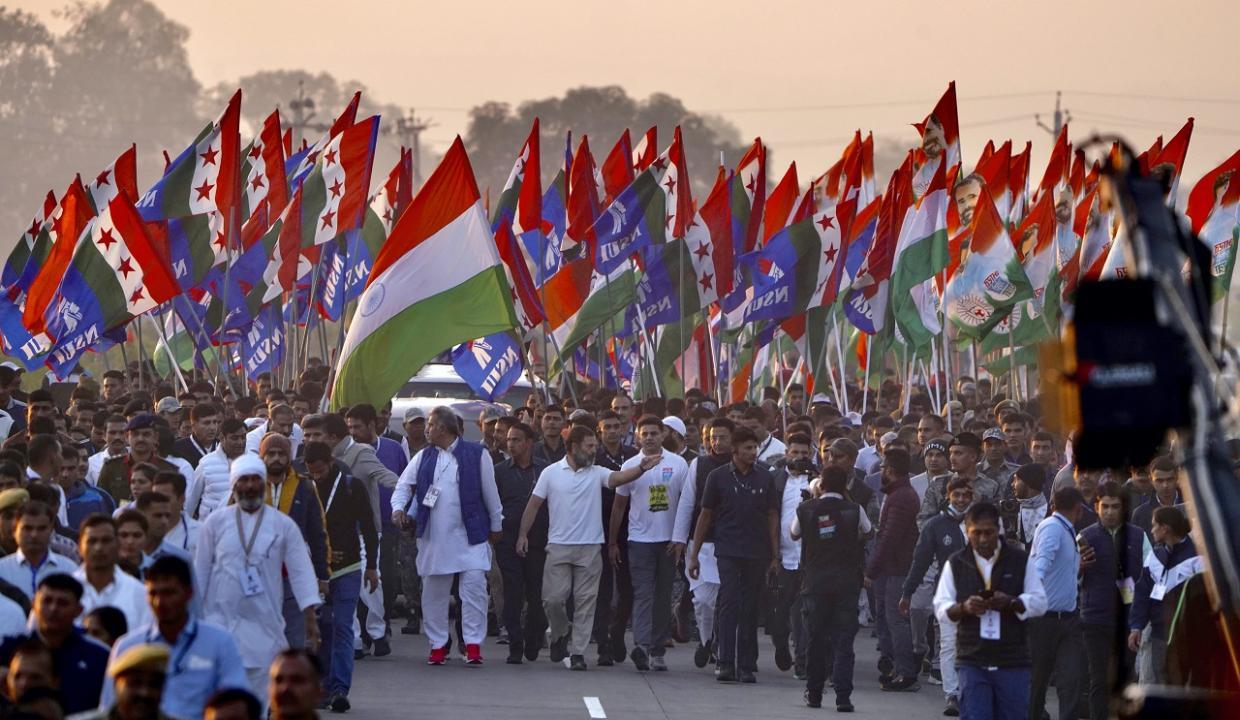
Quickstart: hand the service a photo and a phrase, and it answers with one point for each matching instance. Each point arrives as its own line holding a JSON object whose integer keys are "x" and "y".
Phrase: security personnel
{"x": 832, "y": 532}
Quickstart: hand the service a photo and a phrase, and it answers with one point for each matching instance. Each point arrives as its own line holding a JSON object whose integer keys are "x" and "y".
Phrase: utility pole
{"x": 302, "y": 109}
{"x": 410, "y": 128}
{"x": 1059, "y": 119}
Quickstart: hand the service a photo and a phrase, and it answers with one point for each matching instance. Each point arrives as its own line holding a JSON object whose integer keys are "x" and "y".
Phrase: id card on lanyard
{"x": 251, "y": 580}
{"x": 991, "y": 625}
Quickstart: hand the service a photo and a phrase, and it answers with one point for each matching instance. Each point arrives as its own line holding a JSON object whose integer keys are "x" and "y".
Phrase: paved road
{"x": 402, "y": 685}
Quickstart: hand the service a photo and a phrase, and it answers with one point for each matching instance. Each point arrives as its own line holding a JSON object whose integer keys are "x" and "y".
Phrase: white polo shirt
{"x": 574, "y": 503}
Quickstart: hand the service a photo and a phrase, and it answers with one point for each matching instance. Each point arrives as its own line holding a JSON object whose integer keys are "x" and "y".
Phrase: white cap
{"x": 246, "y": 464}
{"x": 675, "y": 423}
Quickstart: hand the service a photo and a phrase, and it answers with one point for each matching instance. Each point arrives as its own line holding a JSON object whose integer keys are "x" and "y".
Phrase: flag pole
{"x": 141, "y": 353}
{"x": 215, "y": 356}
{"x": 869, "y": 360}
{"x": 839, "y": 351}
{"x": 1222, "y": 335}
{"x": 1012, "y": 372}
{"x": 163, "y": 336}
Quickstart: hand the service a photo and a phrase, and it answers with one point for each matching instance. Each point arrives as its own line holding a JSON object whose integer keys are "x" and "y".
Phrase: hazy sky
{"x": 802, "y": 74}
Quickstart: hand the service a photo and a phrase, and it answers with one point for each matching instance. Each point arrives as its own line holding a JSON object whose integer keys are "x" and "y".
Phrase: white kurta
{"x": 444, "y": 547}
{"x": 256, "y": 621}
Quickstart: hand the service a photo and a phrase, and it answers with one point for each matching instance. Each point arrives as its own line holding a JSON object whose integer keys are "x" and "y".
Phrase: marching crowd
{"x": 207, "y": 553}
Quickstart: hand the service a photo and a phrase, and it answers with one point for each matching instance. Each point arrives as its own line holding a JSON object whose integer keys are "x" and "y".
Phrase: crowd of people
{"x": 205, "y": 553}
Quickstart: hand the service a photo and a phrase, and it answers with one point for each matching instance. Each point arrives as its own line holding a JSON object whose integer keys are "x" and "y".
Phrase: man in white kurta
{"x": 241, "y": 551}
{"x": 445, "y": 548}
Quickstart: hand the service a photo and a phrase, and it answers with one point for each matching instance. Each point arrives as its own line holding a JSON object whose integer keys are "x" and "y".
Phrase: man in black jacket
{"x": 832, "y": 531}
{"x": 988, "y": 590}
{"x": 515, "y": 478}
{"x": 346, "y": 507}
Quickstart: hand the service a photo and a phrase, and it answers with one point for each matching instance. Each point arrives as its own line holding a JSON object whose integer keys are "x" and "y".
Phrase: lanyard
{"x": 184, "y": 532}
{"x": 1071, "y": 532}
{"x": 332, "y": 495}
{"x": 190, "y": 635}
{"x": 987, "y": 579}
{"x": 201, "y": 450}
{"x": 246, "y": 547}
{"x": 34, "y": 573}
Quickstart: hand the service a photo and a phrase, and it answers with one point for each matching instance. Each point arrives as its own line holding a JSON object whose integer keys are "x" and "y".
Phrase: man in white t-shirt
{"x": 573, "y": 491}
{"x": 651, "y": 503}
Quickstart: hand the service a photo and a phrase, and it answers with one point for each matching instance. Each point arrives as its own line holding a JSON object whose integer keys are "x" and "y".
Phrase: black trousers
{"x": 615, "y": 602}
{"x": 523, "y": 618}
{"x": 389, "y": 570}
{"x": 1100, "y": 648}
{"x": 831, "y": 621}
{"x": 1055, "y": 648}
{"x": 741, "y": 581}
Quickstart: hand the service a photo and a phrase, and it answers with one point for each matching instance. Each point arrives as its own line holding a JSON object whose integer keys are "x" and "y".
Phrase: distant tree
{"x": 27, "y": 136}
{"x": 123, "y": 76}
{"x": 496, "y": 131}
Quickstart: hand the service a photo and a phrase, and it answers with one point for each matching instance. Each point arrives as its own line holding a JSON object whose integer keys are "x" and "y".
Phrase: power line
{"x": 1166, "y": 98}
{"x": 873, "y": 104}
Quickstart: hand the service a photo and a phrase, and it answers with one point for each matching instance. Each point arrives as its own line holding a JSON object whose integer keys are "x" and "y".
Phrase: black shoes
{"x": 812, "y": 700}
{"x": 953, "y": 707}
{"x": 605, "y": 661}
{"x": 413, "y": 626}
{"x": 577, "y": 663}
{"x": 382, "y": 647}
{"x": 338, "y": 704}
{"x": 747, "y": 676}
{"x": 843, "y": 704}
{"x": 783, "y": 657}
{"x": 701, "y": 655}
{"x": 725, "y": 673}
{"x": 639, "y": 658}
{"x": 559, "y": 649}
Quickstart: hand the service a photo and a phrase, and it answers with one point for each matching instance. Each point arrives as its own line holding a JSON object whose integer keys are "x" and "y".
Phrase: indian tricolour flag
{"x": 436, "y": 282}
{"x": 920, "y": 254}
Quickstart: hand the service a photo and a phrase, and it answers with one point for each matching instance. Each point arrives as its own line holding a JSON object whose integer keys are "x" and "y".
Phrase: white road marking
{"x": 595, "y": 707}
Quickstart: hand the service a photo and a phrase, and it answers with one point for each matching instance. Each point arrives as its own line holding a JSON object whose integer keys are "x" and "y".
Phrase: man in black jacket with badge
{"x": 988, "y": 590}
{"x": 832, "y": 532}
{"x": 515, "y": 478}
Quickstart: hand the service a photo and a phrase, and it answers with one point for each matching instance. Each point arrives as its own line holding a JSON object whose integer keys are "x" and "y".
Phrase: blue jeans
{"x": 1001, "y": 694}
{"x": 336, "y": 630}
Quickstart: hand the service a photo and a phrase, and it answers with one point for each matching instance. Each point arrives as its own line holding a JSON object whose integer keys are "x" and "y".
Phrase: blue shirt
{"x": 17, "y": 570}
{"x": 84, "y": 499}
{"x": 79, "y": 663}
{"x": 1057, "y": 560}
{"x": 204, "y": 660}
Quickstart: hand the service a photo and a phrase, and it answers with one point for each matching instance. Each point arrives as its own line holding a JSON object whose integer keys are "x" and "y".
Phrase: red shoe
{"x": 473, "y": 654}
{"x": 438, "y": 656}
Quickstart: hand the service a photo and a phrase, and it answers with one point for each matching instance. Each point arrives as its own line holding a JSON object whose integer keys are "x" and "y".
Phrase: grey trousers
{"x": 574, "y": 569}
{"x": 651, "y": 569}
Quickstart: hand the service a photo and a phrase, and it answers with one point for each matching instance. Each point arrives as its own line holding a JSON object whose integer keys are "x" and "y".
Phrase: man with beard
{"x": 298, "y": 499}
{"x": 705, "y": 587}
{"x": 571, "y": 490}
{"x": 242, "y": 552}
{"x": 143, "y": 448}
{"x": 962, "y": 454}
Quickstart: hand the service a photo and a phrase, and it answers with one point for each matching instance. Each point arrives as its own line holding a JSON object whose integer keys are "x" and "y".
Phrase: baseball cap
{"x": 141, "y": 421}
{"x": 168, "y": 405}
{"x": 994, "y": 434}
{"x": 490, "y": 414}
{"x": 415, "y": 413}
{"x": 888, "y": 438}
{"x": 967, "y": 439}
{"x": 675, "y": 423}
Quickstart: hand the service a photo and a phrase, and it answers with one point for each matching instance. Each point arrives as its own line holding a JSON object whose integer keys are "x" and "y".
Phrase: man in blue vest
{"x": 987, "y": 591}
{"x": 452, "y": 484}
{"x": 1111, "y": 562}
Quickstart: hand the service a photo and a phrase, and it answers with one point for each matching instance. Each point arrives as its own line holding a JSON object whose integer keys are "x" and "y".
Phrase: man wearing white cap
{"x": 674, "y": 438}
{"x": 241, "y": 552}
